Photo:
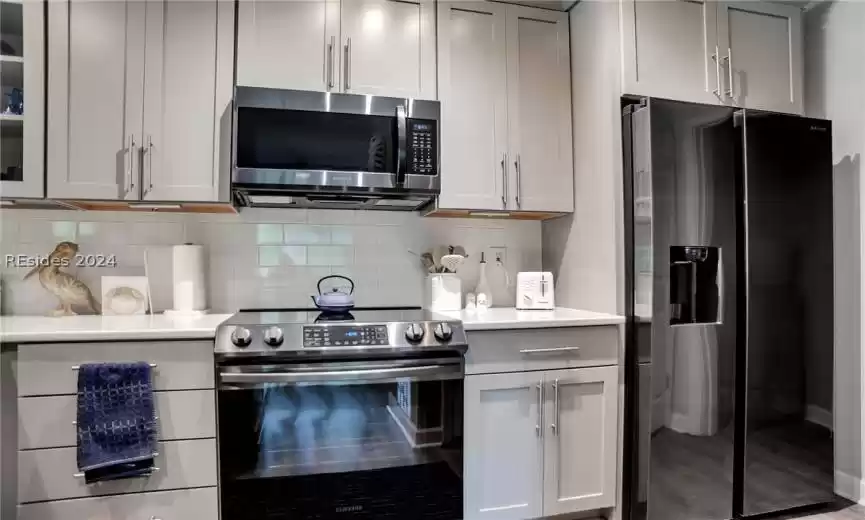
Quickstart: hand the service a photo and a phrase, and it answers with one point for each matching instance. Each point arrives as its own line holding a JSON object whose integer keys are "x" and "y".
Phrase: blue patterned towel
{"x": 116, "y": 421}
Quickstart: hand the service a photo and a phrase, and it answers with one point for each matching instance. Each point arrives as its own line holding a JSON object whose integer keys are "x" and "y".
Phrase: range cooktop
{"x": 359, "y": 332}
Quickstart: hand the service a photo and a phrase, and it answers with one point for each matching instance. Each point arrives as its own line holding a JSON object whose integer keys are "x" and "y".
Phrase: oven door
{"x": 358, "y": 439}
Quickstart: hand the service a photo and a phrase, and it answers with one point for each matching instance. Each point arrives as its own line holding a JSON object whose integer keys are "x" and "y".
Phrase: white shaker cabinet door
{"x": 503, "y": 446}
{"x": 670, "y": 50}
{"x": 581, "y": 416}
{"x": 762, "y": 44}
{"x": 473, "y": 91}
{"x": 95, "y": 93}
{"x": 388, "y": 48}
{"x": 539, "y": 110}
{"x": 188, "y": 90}
{"x": 288, "y": 44}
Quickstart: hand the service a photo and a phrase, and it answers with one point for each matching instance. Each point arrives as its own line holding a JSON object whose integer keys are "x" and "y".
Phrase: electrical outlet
{"x": 499, "y": 253}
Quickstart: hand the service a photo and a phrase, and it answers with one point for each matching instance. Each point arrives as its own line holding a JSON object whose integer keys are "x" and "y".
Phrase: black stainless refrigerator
{"x": 729, "y": 280}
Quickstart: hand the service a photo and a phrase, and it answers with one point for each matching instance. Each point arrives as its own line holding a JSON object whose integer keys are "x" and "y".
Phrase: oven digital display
{"x": 342, "y": 336}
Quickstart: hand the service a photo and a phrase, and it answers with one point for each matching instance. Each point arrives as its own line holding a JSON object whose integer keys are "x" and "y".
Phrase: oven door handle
{"x": 402, "y": 145}
{"x": 351, "y": 376}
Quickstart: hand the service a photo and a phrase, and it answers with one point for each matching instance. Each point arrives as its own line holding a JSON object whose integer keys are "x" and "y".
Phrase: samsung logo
{"x": 349, "y": 509}
{"x": 817, "y": 129}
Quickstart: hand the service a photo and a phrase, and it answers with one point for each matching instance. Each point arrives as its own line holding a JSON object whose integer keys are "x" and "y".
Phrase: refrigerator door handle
{"x": 720, "y": 281}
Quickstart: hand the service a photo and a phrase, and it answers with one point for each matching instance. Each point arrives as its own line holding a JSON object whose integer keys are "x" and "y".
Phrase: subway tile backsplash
{"x": 266, "y": 257}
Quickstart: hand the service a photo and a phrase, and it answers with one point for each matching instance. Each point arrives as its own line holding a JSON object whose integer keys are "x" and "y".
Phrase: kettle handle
{"x": 349, "y": 280}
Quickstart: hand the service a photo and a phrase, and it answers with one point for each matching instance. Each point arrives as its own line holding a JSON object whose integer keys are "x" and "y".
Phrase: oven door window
{"x": 350, "y": 449}
{"x": 301, "y": 140}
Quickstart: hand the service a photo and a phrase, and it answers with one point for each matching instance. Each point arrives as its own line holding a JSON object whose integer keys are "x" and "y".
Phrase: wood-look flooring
{"x": 786, "y": 465}
{"x": 842, "y": 510}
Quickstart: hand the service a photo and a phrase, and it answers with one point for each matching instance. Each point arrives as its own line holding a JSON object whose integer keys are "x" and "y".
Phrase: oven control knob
{"x": 241, "y": 337}
{"x": 443, "y": 332}
{"x": 414, "y": 333}
{"x": 273, "y": 336}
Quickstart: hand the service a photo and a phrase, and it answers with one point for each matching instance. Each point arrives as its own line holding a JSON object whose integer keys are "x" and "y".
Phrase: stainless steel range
{"x": 359, "y": 333}
{"x": 357, "y": 415}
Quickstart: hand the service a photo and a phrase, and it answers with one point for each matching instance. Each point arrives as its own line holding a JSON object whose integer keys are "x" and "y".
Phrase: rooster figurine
{"x": 69, "y": 290}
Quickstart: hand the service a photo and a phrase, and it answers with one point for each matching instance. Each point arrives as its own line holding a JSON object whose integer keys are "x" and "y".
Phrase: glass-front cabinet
{"x": 22, "y": 103}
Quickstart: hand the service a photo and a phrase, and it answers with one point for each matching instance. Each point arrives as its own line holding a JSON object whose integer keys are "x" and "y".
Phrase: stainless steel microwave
{"x": 296, "y": 148}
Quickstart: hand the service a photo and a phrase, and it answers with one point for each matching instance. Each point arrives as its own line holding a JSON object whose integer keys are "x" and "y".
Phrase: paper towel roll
{"x": 188, "y": 278}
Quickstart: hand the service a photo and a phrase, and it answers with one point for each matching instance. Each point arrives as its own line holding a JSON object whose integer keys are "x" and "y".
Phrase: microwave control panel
{"x": 421, "y": 153}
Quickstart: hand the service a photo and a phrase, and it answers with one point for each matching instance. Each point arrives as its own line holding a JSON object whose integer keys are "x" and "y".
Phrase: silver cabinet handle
{"x": 548, "y": 350}
{"x": 519, "y": 180}
{"x": 152, "y": 471}
{"x": 555, "y": 424}
{"x": 717, "y": 59}
{"x": 330, "y": 62}
{"x": 77, "y": 367}
{"x": 130, "y": 157}
{"x": 539, "y": 431}
{"x": 729, "y": 60}
{"x": 155, "y": 418}
{"x": 347, "y": 66}
{"x": 146, "y": 153}
{"x": 504, "y": 181}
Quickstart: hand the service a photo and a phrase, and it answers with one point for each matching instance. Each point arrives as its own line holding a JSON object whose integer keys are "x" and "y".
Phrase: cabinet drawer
{"x": 45, "y": 475}
{"x": 46, "y": 369}
{"x": 200, "y": 504}
{"x": 541, "y": 349}
{"x": 47, "y": 422}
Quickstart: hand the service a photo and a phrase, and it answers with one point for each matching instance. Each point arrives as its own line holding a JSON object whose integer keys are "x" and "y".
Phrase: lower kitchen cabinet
{"x": 540, "y": 443}
{"x": 581, "y": 419}
{"x": 503, "y": 448}
{"x": 185, "y": 504}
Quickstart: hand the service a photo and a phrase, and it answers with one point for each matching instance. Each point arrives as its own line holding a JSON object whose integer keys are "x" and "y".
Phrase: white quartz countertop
{"x": 37, "y": 329}
{"x": 504, "y": 318}
{"x": 33, "y": 329}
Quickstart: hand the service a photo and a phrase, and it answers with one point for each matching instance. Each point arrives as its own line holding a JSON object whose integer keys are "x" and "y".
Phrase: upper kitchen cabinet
{"x": 95, "y": 95}
{"x": 738, "y": 54}
{"x": 764, "y": 64}
{"x": 472, "y": 77}
{"x": 375, "y": 47}
{"x": 292, "y": 45}
{"x": 138, "y": 96}
{"x": 389, "y": 48}
{"x": 671, "y": 50}
{"x": 188, "y": 90}
{"x": 22, "y": 81}
{"x": 539, "y": 110}
{"x": 504, "y": 84}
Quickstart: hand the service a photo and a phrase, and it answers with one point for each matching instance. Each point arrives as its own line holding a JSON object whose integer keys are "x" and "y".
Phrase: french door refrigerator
{"x": 729, "y": 281}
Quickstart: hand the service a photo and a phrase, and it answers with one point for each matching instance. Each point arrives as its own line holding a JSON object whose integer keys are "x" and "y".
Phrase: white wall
{"x": 585, "y": 250}
{"x": 834, "y": 88}
{"x": 266, "y": 257}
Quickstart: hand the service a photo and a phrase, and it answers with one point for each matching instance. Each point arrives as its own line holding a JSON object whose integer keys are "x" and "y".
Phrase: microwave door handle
{"x": 402, "y": 141}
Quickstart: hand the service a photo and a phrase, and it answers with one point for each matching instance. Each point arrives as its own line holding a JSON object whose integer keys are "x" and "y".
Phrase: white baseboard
{"x": 821, "y": 416}
{"x": 850, "y": 487}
